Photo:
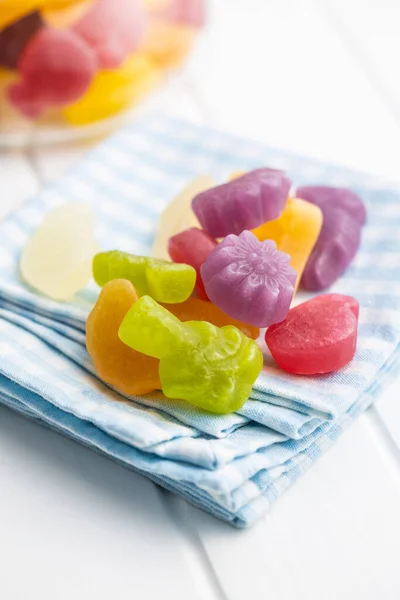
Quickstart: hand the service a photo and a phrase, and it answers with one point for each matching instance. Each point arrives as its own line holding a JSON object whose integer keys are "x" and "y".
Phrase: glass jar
{"x": 73, "y": 67}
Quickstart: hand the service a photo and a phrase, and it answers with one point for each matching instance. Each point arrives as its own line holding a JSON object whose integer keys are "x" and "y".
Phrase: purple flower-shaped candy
{"x": 344, "y": 216}
{"x": 244, "y": 203}
{"x": 250, "y": 280}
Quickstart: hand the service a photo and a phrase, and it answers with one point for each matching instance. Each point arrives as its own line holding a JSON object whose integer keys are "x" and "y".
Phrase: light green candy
{"x": 164, "y": 281}
{"x": 210, "y": 367}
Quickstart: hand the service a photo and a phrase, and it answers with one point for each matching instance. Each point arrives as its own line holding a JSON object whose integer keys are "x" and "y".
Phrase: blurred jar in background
{"x": 73, "y": 63}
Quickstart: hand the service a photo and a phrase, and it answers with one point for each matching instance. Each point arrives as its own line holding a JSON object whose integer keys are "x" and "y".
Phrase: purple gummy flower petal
{"x": 256, "y": 285}
{"x": 244, "y": 203}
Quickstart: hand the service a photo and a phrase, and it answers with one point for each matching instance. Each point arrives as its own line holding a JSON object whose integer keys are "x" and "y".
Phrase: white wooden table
{"x": 319, "y": 78}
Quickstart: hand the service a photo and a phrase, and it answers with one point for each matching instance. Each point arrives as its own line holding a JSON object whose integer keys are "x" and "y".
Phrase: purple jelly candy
{"x": 244, "y": 203}
{"x": 15, "y": 37}
{"x": 250, "y": 280}
{"x": 344, "y": 216}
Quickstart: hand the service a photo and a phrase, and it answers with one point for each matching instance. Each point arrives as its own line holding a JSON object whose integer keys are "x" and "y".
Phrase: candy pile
{"x": 89, "y": 59}
{"x": 190, "y": 327}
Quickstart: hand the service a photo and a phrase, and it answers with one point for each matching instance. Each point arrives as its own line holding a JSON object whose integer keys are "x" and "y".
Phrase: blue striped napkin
{"x": 232, "y": 465}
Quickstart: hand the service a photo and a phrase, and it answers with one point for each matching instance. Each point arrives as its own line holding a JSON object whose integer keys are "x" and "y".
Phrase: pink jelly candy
{"x": 56, "y": 69}
{"x": 187, "y": 12}
{"x": 15, "y": 37}
{"x": 192, "y": 247}
{"x": 244, "y": 203}
{"x": 114, "y": 29}
{"x": 318, "y": 336}
{"x": 344, "y": 216}
{"x": 249, "y": 280}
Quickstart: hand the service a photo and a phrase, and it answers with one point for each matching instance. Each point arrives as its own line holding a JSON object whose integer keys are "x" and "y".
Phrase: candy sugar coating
{"x": 58, "y": 257}
{"x": 344, "y": 215}
{"x": 46, "y": 82}
{"x": 118, "y": 365}
{"x": 318, "y": 336}
{"x": 209, "y": 367}
{"x": 195, "y": 309}
{"x": 113, "y": 91}
{"x": 192, "y": 247}
{"x": 243, "y": 203}
{"x": 249, "y": 280}
{"x": 295, "y": 232}
{"x": 178, "y": 215}
{"x": 15, "y": 37}
{"x": 164, "y": 281}
{"x": 114, "y": 29}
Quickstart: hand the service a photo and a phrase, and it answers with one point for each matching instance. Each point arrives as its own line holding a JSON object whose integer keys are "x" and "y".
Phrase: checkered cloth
{"x": 235, "y": 465}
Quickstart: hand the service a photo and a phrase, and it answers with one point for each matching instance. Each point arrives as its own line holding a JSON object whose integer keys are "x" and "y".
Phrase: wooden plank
{"x": 82, "y": 526}
{"x": 334, "y": 534}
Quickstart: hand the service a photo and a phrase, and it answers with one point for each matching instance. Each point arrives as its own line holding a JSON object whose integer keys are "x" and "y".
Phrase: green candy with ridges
{"x": 164, "y": 281}
{"x": 212, "y": 368}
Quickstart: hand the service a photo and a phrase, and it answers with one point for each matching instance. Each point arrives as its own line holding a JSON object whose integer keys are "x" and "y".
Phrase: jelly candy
{"x": 344, "y": 215}
{"x": 318, "y": 336}
{"x": 249, "y": 280}
{"x": 117, "y": 364}
{"x": 192, "y": 247}
{"x": 58, "y": 257}
{"x": 113, "y": 91}
{"x": 15, "y": 37}
{"x": 12, "y": 10}
{"x": 166, "y": 282}
{"x": 65, "y": 17}
{"x": 188, "y": 12}
{"x": 47, "y": 82}
{"x": 209, "y": 367}
{"x": 195, "y": 309}
{"x": 114, "y": 29}
{"x": 178, "y": 215}
{"x": 295, "y": 232}
{"x": 167, "y": 44}
{"x": 243, "y": 203}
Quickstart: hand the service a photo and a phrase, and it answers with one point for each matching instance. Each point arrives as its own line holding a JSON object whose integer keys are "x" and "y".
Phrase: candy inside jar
{"x": 67, "y": 64}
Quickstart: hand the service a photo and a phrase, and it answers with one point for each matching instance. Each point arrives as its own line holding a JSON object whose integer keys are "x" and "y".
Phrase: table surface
{"x": 318, "y": 77}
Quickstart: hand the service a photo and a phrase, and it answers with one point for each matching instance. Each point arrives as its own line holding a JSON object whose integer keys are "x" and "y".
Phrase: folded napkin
{"x": 232, "y": 465}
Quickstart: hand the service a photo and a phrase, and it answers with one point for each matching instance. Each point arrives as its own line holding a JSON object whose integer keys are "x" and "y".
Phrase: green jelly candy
{"x": 164, "y": 281}
{"x": 210, "y": 367}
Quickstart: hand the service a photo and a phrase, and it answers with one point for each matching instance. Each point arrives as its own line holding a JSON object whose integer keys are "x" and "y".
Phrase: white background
{"x": 319, "y": 77}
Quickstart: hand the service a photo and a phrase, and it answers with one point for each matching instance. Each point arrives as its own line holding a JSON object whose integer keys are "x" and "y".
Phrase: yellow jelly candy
{"x": 179, "y": 216}
{"x": 168, "y": 43}
{"x": 62, "y": 18}
{"x": 295, "y": 232}
{"x": 114, "y": 91}
{"x": 12, "y": 10}
{"x": 57, "y": 259}
{"x": 236, "y": 175}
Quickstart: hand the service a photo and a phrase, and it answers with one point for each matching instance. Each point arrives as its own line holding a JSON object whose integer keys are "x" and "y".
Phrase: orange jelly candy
{"x": 167, "y": 44}
{"x": 195, "y": 309}
{"x": 117, "y": 364}
{"x": 295, "y": 232}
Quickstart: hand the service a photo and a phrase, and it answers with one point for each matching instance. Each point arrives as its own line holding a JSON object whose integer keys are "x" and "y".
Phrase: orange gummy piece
{"x": 295, "y": 232}
{"x": 117, "y": 364}
{"x": 167, "y": 43}
{"x": 195, "y": 309}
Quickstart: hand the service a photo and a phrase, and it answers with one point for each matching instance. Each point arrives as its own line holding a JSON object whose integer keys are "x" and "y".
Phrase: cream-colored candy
{"x": 57, "y": 260}
{"x": 179, "y": 216}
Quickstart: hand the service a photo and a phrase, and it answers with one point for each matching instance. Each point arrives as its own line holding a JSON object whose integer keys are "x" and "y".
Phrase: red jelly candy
{"x": 318, "y": 336}
{"x": 192, "y": 247}
{"x": 56, "y": 68}
{"x": 114, "y": 29}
